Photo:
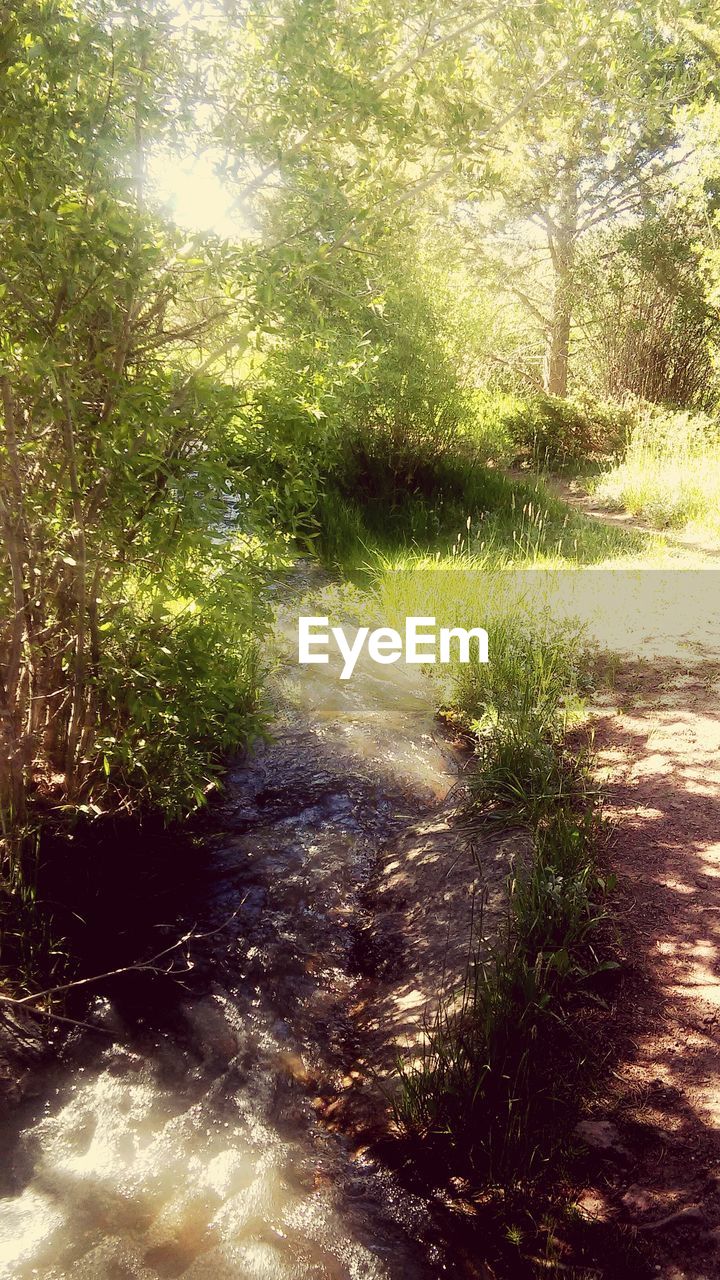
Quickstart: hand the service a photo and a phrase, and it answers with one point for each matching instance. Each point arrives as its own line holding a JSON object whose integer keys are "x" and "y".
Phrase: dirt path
{"x": 678, "y": 540}
{"x": 658, "y": 745}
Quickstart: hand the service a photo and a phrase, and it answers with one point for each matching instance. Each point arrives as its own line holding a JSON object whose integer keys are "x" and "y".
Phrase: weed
{"x": 670, "y": 474}
{"x": 501, "y": 1068}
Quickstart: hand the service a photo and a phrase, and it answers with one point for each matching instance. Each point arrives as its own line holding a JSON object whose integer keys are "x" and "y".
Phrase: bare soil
{"x": 658, "y": 752}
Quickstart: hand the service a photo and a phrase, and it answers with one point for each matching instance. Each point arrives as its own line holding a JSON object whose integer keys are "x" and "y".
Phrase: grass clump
{"x": 381, "y": 502}
{"x": 492, "y": 522}
{"x": 517, "y": 770}
{"x": 670, "y": 474}
{"x": 501, "y": 1071}
{"x": 500, "y": 1074}
{"x": 530, "y": 690}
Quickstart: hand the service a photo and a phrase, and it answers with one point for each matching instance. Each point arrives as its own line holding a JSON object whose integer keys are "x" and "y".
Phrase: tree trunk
{"x": 15, "y": 657}
{"x": 79, "y": 675}
{"x": 557, "y": 342}
{"x": 562, "y": 235}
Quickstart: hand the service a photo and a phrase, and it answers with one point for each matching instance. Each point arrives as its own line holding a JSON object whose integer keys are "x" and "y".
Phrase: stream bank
{"x": 221, "y": 1122}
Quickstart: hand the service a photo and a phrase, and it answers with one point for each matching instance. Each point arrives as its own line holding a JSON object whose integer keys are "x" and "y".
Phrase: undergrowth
{"x": 501, "y": 1071}
{"x": 483, "y": 520}
{"x": 546, "y": 432}
{"x": 670, "y": 474}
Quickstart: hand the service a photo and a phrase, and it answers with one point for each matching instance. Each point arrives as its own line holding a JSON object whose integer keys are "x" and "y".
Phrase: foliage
{"x": 362, "y": 401}
{"x": 585, "y": 148}
{"x": 358, "y": 108}
{"x": 498, "y": 1075}
{"x": 530, "y": 687}
{"x": 641, "y": 306}
{"x": 549, "y": 432}
{"x": 192, "y": 649}
{"x": 501, "y": 1074}
{"x": 670, "y": 472}
{"x": 112, "y": 457}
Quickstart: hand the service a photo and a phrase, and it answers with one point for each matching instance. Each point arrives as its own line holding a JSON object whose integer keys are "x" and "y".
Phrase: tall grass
{"x": 536, "y": 673}
{"x": 493, "y": 1085}
{"x": 492, "y": 522}
{"x": 498, "y": 1081}
{"x": 670, "y": 474}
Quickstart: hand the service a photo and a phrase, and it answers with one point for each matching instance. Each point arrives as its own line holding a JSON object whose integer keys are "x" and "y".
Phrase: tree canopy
{"x": 427, "y": 197}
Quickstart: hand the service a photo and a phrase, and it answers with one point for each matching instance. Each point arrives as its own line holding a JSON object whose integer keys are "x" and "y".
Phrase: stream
{"x": 195, "y": 1139}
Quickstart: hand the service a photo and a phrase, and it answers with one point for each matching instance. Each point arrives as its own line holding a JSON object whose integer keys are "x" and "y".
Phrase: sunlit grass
{"x": 670, "y": 474}
{"x": 525, "y": 526}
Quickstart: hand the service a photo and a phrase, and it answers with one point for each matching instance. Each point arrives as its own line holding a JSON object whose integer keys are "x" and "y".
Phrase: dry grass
{"x": 670, "y": 474}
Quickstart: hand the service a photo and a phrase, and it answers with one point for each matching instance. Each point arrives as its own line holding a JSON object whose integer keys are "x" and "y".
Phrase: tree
{"x": 590, "y": 147}
{"x": 110, "y": 453}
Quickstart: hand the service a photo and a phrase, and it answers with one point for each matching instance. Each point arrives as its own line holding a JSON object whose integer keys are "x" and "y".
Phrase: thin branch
{"x": 138, "y": 966}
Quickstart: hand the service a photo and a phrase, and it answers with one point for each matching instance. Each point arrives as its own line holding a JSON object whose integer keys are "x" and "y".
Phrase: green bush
{"x": 547, "y": 432}
{"x": 640, "y": 301}
{"x": 362, "y": 398}
{"x": 492, "y": 412}
{"x": 396, "y": 496}
{"x": 179, "y": 684}
{"x": 532, "y": 685}
{"x": 277, "y": 455}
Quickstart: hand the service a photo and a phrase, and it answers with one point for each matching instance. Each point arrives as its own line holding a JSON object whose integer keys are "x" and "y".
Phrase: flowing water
{"x": 187, "y": 1140}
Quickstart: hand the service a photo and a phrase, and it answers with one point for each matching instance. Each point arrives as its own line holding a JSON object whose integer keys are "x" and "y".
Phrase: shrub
{"x": 492, "y": 413}
{"x": 641, "y": 307}
{"x": 277, "y": 455}
{"x": 193, "y": 650}
{"x": 363, "y": 395}
{"x": 546, "y": 431}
